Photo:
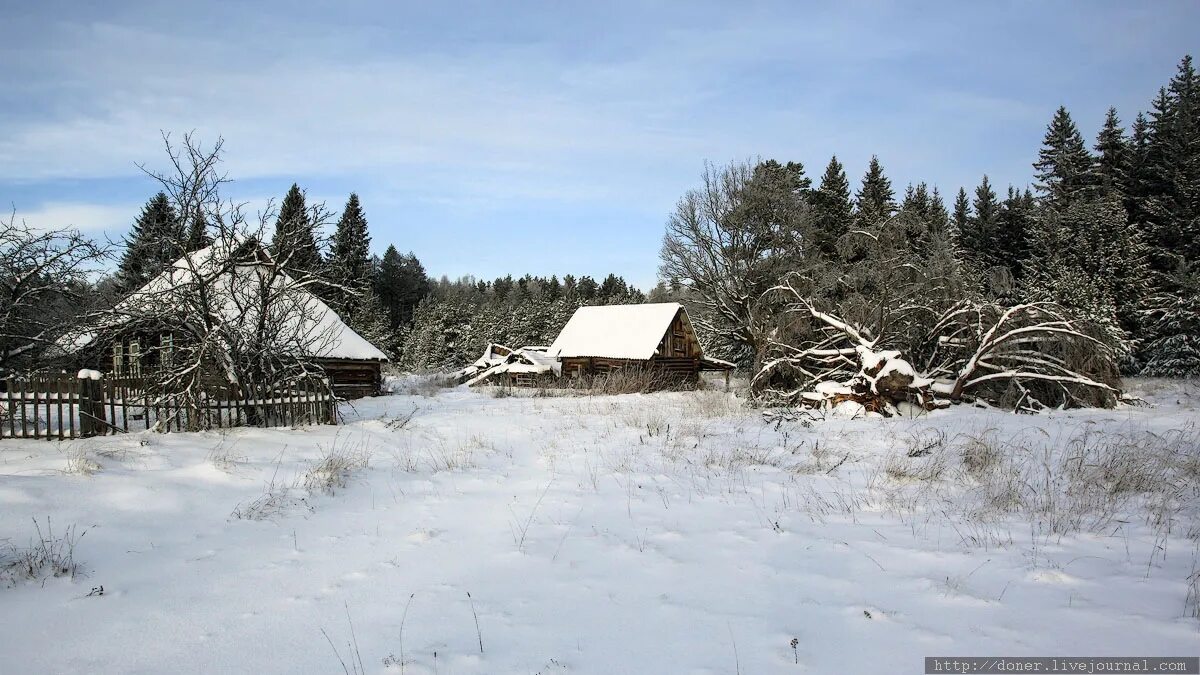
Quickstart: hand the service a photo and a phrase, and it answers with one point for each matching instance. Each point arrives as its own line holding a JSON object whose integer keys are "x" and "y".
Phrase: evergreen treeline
{"x": 388, "y": 299}
{"x": 1109, "y": 232}
{"x": 375, "y": 296}
{"x": 451, "y": 327}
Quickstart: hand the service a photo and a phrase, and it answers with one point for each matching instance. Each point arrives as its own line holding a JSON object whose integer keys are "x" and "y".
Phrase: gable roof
{"x": 329, "y": 336}
{"x": 615, "y": 331}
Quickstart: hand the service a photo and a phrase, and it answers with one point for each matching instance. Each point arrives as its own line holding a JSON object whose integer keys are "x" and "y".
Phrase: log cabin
{"x": 121, "y": 345}
{"x": 657, "y": 337}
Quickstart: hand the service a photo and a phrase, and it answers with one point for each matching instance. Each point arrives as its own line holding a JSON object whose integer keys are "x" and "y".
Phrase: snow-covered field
{"x": 668, "y": 533}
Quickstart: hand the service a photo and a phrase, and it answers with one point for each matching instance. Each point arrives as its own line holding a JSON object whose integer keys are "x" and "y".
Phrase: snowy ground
{"x": 670, "y": 533}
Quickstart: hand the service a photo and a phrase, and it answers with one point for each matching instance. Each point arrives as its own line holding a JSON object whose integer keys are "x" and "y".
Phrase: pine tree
{"x": 295, "y": 241}
{"x": 613, "y": 286}
{"x": 1139, "y": 184}
{"x": 414, "y": 286}
{"x": 197, "y": 232}
{"x": 553, "y": 288}
{"x": 1112, "y": 157}
{"x": 1012, "y": 230}
{"x": 979, "y": 239}
{"x": 389, "y": 279}
{"x": 372, "y": 323}
{"x": 875, "y": 200}
{"x": 1166, "y": 207}
{"x": 155, "y": 241}
{"x": 1175, "y": 151}
{"x": 1087, "y": 259}
{"x": 961, "y": 218}
{"x": 832, "y": 210}
{"x": 925, "y": 218}
{"x": 587, "y": 288}
{"x": 350, "y": 260}
{"x": 1064, "y": 168}
{"x": 939, "y": 217}
{"x": 1173, "y": 319}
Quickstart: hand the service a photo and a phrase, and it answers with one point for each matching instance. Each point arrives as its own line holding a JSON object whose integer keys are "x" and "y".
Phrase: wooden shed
{"x": 657, "y": 337}
{"x": 523, "y": 367}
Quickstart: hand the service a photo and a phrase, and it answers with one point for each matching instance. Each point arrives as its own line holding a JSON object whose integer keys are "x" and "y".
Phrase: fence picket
{"x": 125, "y": 406}
{"x": 49, "y": 414}
{"x": 109, "y": 391}
{"x": 36, "y": 427}
{"x": 12, "y": 409}
{"x": 59, "y": 387}
{"x": 51, "y": 402}
{"x": 70, "y": 405}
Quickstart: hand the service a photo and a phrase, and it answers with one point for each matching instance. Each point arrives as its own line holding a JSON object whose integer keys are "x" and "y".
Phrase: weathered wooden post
{"x": 91, "y": 404}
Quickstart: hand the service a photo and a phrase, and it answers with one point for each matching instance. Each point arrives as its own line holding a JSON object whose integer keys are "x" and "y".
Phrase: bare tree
{"x": 728, "y": 242}
{"x": 227, "y": 315}
{"x": 1026, "y": 357}
{"x": 44, "y": 278}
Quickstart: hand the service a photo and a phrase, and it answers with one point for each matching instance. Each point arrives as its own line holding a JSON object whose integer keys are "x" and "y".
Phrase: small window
{"x": 167, "y": 344}
{"x": 135, "y": 358}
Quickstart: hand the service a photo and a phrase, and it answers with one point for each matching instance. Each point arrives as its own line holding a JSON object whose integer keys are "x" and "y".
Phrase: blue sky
{"x": 550, "y": 137}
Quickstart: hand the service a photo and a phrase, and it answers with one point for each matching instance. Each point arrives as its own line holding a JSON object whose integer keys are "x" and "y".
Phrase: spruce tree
{"x": 939, "y": 217}
{"x": 1012, "y": 231}
{"x": 875, "y": 200}
{"x": 587, "y": 289}
{"x": 1089, "y": 260}
{"x": 1064, "y": 168}
{"x": 155, "y": 241}
{"x": 1173, "y": 324}
{"x": 350, "y": 267}
{"x": 389, "y": 278}
{"x": 613, "y": 286}
{"x": 961, "y": 218}
{"x": 1177, "y": 134}
{"x": 925, "y": 217}
{"x": 979, "y": 240}
{"x": 1167, "y": 209}
{"x": 1112, "y": 157}
{"x": 414, "y": 286}
{"x": 832, "y": 210}
{"x": 197, "y": 232}
{"x": 295, "y": 241}
{"x": 1139, "y": 181}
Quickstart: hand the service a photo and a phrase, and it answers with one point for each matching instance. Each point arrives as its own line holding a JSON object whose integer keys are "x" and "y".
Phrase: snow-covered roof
{"x": 615, "y": 331}
{"x": 328, "y": 336}
{"x": 498, "y": 359}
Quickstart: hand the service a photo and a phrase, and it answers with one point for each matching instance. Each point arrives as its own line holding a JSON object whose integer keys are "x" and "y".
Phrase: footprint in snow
{"x": 422, "y": 536}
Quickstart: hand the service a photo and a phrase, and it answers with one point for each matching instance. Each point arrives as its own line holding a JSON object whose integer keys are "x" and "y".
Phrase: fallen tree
{"x": 1026, "y": 357}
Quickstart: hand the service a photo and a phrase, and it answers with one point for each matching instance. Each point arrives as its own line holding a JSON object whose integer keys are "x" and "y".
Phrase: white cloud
{"x": 90, "y": 218}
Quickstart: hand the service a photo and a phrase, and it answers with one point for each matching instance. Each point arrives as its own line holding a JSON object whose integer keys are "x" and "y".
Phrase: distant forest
{"x": 1108, "y": 235}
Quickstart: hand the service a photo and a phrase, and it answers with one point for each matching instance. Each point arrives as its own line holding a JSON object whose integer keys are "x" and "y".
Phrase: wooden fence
{"x": 61, "y": 406}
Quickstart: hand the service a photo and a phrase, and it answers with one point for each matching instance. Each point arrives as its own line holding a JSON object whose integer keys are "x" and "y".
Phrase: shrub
{"x": 46, "y": 556}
